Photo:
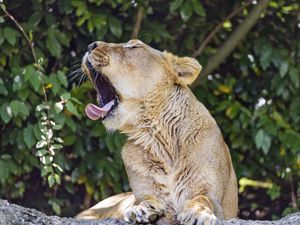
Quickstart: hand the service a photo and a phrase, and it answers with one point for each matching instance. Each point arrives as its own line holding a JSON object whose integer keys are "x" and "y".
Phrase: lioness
{"x": 178, "y": 165}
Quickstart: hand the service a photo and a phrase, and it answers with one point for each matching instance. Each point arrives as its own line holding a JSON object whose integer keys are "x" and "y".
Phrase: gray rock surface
{"x": 11, "y": 214}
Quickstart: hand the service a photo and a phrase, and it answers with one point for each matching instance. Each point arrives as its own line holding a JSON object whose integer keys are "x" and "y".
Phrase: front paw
{"x": 145, "y": 212}
{"x": 196, "y": 216}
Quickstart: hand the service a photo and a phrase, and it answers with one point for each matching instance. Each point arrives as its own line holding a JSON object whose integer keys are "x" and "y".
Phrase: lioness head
{"x": 125, "y": 74}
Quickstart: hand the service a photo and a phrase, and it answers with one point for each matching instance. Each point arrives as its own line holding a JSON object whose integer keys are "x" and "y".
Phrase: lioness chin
{"x": 178, "y": 165}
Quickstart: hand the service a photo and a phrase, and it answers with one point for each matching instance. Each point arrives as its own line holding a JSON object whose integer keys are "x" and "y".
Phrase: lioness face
{"x": 124, "y": 75}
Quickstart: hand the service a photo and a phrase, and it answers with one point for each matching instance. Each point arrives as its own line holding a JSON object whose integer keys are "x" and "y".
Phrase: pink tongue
{"x": 95, "y": 112}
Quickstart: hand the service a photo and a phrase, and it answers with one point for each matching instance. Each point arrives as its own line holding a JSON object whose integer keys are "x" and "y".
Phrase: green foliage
{"x": 49, "y": 149}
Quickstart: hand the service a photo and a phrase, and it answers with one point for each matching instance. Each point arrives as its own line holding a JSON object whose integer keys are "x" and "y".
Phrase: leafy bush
{"x": 50, "y": 150}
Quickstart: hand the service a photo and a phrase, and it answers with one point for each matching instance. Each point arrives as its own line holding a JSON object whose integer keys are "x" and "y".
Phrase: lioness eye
{"x": 132, "y": 46}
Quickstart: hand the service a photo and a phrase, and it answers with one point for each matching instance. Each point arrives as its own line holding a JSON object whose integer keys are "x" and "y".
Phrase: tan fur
{"x": 177, "y": 162}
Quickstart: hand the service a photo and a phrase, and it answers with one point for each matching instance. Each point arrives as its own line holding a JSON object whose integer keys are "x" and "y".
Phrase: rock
{"x": 11, "y": 214}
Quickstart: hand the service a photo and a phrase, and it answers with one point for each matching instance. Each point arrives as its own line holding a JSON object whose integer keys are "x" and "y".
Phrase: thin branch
{"x": 232, "y": 41}
{"x": 30, "y": 45}
{"x": 293, "y": 195}
{"x": 36, "y": 62}
{"x": 138, "y": 22}
{"x": 212, "y": 34}
{"x": 22, "y": 31}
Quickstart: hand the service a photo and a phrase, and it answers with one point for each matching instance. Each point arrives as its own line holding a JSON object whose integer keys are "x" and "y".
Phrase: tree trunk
{"x": 11, "y": 214}
{"x": 232, "y": 41}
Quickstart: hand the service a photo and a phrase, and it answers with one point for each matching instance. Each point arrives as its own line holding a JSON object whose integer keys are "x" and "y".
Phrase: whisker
{"x": 74, "y": 71}
{"x": 96, "y": 77}
{"x": 81, "y": 78}
{"x": 75, "y": 65}
{"x": 78, "y": 73}
{"x": 75, "y": 77}
{"x": 77, "y": 61}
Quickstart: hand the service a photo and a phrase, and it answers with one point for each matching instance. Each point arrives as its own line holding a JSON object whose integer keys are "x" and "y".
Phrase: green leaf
{"x": 100, "y": 23}
{"x": 53, "y": 46}
{"x": 46, "y": 170}
{"x": 6, "y": 112}
{"x": 198, "y": 8}
{"x": 51, "y": 180}
{"x": 41, "y": 144}
{"x": 55, "y": 206}
{"x": 55, "y": 84}
{"x": 101, "y": 32}
{"x": 40, "y": 153}
{"x": 291, "y": 139}
{"x": 57, "y": 178}
{"x": 294, "y": 75}
{"x": 65, "y": 96}
{"x": 19, "y": 108}
{"x": 263, "y": 141}
{"x": 32, "y": 75}
{"x": 62, "y": 78}
{"x": 17, "y": 83}
{"x": 57, "y": 127}
{"x": 46, "y": 160}
{"x": 66, "y": 6}
{"x": 266, "y": 56}
{"x": 49, "y": 134}
{"x": 175, "y": 4}
{"x": 280, "y": 121}
{"x": 29, "y": 138}
{"x": 1, "y": 19}
{"x": 1, "y": 37}
{"x": 233, "y": 110}
{"x": 4, "y": 172}
{"x": 110, "y": 143}
{"x": 71, "y": 107}
{"x": 6, "y": 156}
{"x": 274, "y": 192}
{"x": 63, "y": 38}
{"x": 186, "y": 11}
{"x": 2, "y": 6}
{"x": 52, "y": 43}
{"x": 115, "y": 26}
{"x": 3, "y": 89}
{"x": 58, "y": 167}
{"x": 58, "y": 107}
{"x": 35, "y": 19}
{"x": 24, "y": 93}
{"x": 57, "y": 146}
{"x": 10, "y": 35}
{"x": 41, "y": 107}
{"x": 284, "y": 68}
{"x": 90, "y": 26}
{"x": 58, "y": 139}
{"x": 75, "y": 100}
{"x": 70, "y": 122}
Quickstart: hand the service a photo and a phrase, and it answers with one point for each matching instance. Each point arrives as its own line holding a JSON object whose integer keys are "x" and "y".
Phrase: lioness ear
{"x": 187, "y": 69}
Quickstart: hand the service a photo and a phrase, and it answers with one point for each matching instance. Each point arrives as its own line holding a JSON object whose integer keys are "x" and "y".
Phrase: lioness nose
{"x": 92, "y": 46}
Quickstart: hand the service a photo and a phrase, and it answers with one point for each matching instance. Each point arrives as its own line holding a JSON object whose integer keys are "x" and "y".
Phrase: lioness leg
{"x": 112, "y": 207}
{"x": 148, "y": 210}
{"x": 197, "y": 211}
{"x": 230, "y": 199}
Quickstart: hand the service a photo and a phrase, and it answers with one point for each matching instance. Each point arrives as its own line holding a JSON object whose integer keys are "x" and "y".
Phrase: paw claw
{"x": 143, "y": 213}
{"x": 192, "y": 217}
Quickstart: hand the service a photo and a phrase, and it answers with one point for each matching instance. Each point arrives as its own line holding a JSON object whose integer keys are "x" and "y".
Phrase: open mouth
{"x": 106, "y": 95}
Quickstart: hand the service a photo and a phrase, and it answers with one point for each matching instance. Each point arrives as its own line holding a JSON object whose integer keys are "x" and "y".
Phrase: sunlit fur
{"x": 175, "y": 156}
